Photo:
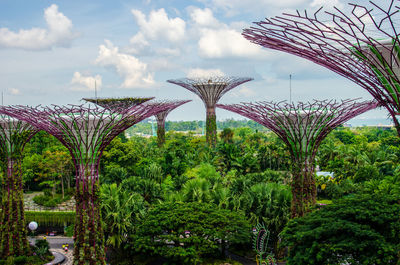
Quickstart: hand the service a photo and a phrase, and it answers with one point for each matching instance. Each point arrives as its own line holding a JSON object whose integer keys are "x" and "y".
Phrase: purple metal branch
{"x": 362, "y": 46}
{"x": 212, "y": 88}
{"x": 161, "y": 116}
{"x": 85, "y": 131}
{"x": 82, "y": 129}
{"x": 302, "y": 128}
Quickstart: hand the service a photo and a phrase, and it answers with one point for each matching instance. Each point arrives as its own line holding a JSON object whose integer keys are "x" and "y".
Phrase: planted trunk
{"x": 211, "y": 126}
{"x": 160, "y": 132}
{"x": 304, "y": 191}
{"x": 12, "y": 227}
{"x": 88, "y": 233}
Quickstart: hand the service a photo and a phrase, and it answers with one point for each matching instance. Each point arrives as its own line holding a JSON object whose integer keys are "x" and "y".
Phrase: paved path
{"x": 56, "y": 243}
{"x": 69, "y": 256}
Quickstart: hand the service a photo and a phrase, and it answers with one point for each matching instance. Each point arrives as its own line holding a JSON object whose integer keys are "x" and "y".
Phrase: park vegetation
{"x": 188, "y": 203}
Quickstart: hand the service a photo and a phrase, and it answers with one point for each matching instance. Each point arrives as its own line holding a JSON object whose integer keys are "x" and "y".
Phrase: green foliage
{"x": 148, "y": 189}
{"x": 50, "y": 201}
{"x": 120, "y": 208}
{"x": 204, "y": 171}
{"x": 42, "y": 243}
{"x": 49, "y": 218}
{"x": 346, "y": 232}
{"x": 113, "y": 173}
{"x": 69, "y": 231}
{"x": 27, "y": 260}
{"x": 41, "y": 249}
{"x": 344, "y": 135}
{"x": 389, "y": 185}
{"x": 185, "y": 233}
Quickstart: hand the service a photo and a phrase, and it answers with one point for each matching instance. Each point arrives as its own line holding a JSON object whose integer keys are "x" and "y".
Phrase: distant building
{"x": 326, "y": 174}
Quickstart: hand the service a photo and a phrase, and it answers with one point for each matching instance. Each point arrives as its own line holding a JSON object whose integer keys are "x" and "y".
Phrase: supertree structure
{"x": 362, "y": 45}
{"x": 210, "y": 90}
{"x": 302, "y": 127}
{"x": 161, "y": 117}
{"x": 118, "y": 104}
{"x": 14, "y": 134}
{"x": 85, "y": 131}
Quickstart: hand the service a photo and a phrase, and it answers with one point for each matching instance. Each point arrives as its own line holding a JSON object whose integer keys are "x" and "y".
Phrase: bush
{"x": 185, "y": 233}
{"x": 20, "y": 260}
{"x": 42, "y": 243}
{"x": 346, "y": 232}
{"x": 69, "y": 230}
{"x": 50, "y": 201}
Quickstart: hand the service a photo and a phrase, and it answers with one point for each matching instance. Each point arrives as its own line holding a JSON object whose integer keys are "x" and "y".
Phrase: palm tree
{"x": 196, "y": 190}
{"x": 119, "y": 210}
{"x": 267, "y": 203}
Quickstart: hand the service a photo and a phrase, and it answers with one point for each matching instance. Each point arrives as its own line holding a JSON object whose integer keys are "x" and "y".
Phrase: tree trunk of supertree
{"x": 160, "y": 132}
{"x": 12, "y": 227}
{"x": 304, "y": 191}
{"x": 211, "y": 126}
{"x": 396, "y": 125}
{"x": 88, "y": 233}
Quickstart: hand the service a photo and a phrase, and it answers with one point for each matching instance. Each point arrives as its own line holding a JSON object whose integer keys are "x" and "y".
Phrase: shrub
{"x": 42, "y": 243}
{"x": 185, "y": 233}
{"x": 50, "y": 201}
{"x": 20, "y": 260}
{"x": 358, "y": 229}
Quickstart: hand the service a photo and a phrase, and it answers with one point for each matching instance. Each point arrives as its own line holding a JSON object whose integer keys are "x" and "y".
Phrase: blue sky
{"x": 53, "y": 52}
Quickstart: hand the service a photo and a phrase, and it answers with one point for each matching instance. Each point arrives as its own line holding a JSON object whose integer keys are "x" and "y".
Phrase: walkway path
{"x": 56, "y": 243}
{"x": 68, "y": 255}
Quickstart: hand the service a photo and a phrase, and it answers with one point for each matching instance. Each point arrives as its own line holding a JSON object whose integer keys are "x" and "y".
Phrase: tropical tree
{"x": 346, "y": 231}
{"x": 186, "y": 233}
{"x": 120, "y": 209}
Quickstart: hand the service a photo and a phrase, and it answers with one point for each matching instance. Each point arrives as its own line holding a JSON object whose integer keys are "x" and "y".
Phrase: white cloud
{"x": 14, "y": 91}
{"x": 158, "y": 26}
{"x": 233, "y": 7}
{"x": 134, "y": 71}
{"x": 85, "y": 83}
{"x": 58, "y": 33}
{"x": 326, "y": 3}
{"x": 204, "y": 17}
{"x": 199, "y": 73}
{"x": 222, "y": 43}
{"x": 218, "y": 40}
{"x": 243, "y": 92}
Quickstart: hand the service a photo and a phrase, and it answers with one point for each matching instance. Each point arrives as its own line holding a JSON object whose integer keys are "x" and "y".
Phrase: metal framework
{"x": 362, "y": 46}
{"x": 14, "y": 134}
{"x": 210, "y": 90}
{"x": 85, "y": 131}
{"x": 118, "y": 104}
{"x": 302, "y": 127}
{"x": 161, "y": 117}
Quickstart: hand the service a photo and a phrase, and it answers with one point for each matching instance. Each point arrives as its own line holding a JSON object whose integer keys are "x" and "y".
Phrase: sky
{"x": 57, "y": 52}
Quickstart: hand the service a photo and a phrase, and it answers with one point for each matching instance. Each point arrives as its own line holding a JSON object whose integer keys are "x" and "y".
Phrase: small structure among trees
{"x": 85, "y": 132}
{"x": 362, "y": 46}
{"x": 302, "y": 128}
{"x": 14, "y": 134}
{"x": 162, "y": 116}
{"x": 210, "y": 90}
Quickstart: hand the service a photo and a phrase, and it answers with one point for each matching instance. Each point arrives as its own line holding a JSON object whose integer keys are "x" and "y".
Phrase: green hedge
{"x": 50, "y": 218}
